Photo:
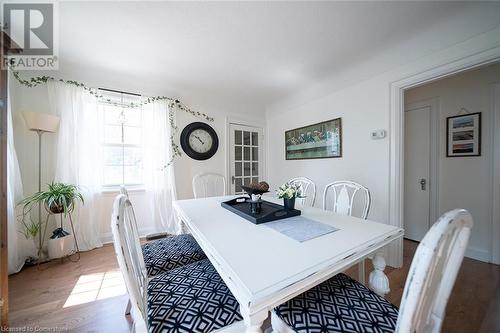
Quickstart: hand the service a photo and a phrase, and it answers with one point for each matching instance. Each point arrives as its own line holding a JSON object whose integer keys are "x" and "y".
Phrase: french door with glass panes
{"x": 246, "y": 156}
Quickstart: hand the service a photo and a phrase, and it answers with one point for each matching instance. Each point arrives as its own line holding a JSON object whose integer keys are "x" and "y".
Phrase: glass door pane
{"x": 245, "y": 157}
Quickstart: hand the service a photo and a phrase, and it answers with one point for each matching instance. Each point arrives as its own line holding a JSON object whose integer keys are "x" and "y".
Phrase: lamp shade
{"x": 37, "y": 121}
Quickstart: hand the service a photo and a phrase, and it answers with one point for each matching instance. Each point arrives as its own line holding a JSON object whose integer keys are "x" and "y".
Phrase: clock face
{"x": 199, "y": 141}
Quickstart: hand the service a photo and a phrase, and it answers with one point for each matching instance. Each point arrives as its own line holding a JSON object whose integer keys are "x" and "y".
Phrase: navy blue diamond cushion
{"x": 191, "y": 298}
{"x": 170, "y": 253}
{"x": 339, "y": 304}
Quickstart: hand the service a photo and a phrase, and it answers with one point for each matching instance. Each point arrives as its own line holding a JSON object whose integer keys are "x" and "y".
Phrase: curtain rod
{"x": 120, "y": 92}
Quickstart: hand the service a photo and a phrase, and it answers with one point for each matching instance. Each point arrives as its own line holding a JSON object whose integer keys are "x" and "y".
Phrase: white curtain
{"x": 159, "y": 176}
{"x": 78, "y": 155}
{"x": 19, "y": 248}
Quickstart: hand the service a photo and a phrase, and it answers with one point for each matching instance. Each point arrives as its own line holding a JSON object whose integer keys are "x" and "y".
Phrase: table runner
{"x": 301, "y": 228}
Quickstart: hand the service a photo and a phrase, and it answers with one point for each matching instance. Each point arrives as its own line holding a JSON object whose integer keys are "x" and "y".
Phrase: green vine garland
{"x": 172, "y": 105}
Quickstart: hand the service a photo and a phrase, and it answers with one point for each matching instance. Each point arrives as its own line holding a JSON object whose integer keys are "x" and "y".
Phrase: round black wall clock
{"x": 199, "y": 141}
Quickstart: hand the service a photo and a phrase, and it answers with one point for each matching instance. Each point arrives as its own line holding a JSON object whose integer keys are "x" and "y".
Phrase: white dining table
{"x": 264, "y": 268}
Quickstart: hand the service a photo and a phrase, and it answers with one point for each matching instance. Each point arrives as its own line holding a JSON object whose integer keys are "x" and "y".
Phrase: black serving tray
{"x": 269, "y": 212}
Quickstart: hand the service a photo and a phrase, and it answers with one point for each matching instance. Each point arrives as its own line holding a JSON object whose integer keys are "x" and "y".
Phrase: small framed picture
{"x": 463, "y": 135}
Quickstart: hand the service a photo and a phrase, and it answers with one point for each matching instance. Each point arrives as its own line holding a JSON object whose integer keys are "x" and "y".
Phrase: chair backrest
{"x": 433, "y": 272}
{"x": 129, "y": 253}
{"x": 308, "y": 189}
{"x": 344, "y": 197}
{"x": 123, "y": 190}
{"x": 209, "y": 185}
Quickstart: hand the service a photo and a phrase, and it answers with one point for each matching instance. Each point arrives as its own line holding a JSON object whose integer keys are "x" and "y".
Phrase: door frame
{"x": 434, "y": 104}
{"x": 458, "y": 59}
{"x": 495, "y": 157}
{"x": 243, "y": 121}
{"x": 5, "y": 43}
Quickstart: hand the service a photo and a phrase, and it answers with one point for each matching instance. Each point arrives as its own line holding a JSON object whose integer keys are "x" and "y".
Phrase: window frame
{"x": 102, "y": 104}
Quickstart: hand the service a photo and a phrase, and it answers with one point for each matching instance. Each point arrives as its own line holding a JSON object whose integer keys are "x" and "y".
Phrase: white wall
{"x": 360, "y": 95}
{"x": 363, "y": 106}
{"x": 26, "y": 143}
{"x": 364, "y": 160}
{"x": 186, "y": 168}
{"x": 465, "y": 182}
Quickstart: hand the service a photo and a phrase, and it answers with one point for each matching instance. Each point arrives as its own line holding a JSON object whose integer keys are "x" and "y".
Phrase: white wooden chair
{"x": 209, "y": 185}
{"x": 167, "y": 253}
{"x": 123, "y": 190}
{"x": 308, "y": 190}
{"x": 185, "y": 289}
{"x": 129, "y": 253}
{"x": 430, "y": 280}
{"x": 170, "y": 252}
{"x": 345, "y": 194}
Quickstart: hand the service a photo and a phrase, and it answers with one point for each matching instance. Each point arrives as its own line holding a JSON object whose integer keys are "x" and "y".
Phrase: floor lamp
{"x": 40, "y": 123}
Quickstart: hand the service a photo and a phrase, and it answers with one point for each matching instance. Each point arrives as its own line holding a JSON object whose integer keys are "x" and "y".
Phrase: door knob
{"x": 423, "y": 182}
{"x": 232, "y": 179}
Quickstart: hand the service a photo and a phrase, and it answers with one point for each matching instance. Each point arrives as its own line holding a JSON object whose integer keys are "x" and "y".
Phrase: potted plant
{"x": 288, "y": 192}
{"x": 59, "y": 198}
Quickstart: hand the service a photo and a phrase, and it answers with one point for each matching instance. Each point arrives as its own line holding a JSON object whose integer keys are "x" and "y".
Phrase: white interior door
{"x": 417, "y": 172}
{"x": 246, "y": 156}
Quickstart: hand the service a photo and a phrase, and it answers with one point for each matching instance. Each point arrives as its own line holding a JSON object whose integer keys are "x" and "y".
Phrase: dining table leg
{"x": 181, "y": 226}
{"x": 378, "y": 281}
{"x": 254, "y": 321}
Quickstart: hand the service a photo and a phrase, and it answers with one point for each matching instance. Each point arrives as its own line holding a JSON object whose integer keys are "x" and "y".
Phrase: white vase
{"x": 60, "y": 247}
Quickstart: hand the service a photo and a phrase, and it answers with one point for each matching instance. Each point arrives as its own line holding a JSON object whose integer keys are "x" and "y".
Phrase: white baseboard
{"x": 107, "y": 237}
{"x": 477, "y": 254}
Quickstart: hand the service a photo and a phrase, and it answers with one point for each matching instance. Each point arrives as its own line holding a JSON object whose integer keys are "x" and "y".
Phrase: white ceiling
{"x": 246, "y": 53}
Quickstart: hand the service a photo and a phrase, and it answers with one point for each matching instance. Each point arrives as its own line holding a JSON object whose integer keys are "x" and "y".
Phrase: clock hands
{"x": 196, "y": 136}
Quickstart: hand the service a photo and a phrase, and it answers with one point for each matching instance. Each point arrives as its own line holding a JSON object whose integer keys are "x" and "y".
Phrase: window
{"x": 121, "y": 140}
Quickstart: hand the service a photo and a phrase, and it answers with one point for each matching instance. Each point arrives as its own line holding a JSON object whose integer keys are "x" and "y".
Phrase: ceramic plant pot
{"x": 60, "y": 244}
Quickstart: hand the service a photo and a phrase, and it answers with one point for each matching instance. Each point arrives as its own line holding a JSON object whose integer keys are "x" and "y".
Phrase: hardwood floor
{"x": 44, "y": 298}
{"x": 89, "y": 296}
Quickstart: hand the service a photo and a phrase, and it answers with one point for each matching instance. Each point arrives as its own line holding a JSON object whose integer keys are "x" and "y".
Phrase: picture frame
{"x": 319, "y": 140}
{"x": 463, "y": 135}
